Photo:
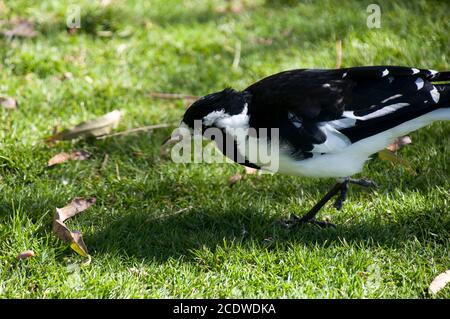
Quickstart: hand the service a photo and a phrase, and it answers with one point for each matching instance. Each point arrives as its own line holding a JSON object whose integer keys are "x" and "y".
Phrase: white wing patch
{"x": 381, "y": 112}
{"x": 391, "y": 98}
{"x": 435, "y": 94}
{"x": 349, "y": 118}
{"x": 433, "y": 72}
{"x": 342, "y": 123}
{"x": 419, "y": 82}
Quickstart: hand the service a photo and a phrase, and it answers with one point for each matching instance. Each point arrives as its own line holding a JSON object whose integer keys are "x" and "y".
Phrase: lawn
{"x": 166, "y": 230}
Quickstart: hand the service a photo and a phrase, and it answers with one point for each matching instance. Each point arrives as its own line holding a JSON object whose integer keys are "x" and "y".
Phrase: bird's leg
{"x": 343, "y": 196}
{"x": 341, "y": 187}
{"x": 309, "y": 217}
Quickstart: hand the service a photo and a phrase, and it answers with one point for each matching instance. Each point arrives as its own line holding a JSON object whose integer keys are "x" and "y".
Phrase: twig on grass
{"x": 338, "y": 54}
{"x": 170, "y": 215}
{"x": 138, "y": 129}
{"x": 172, "y": 96}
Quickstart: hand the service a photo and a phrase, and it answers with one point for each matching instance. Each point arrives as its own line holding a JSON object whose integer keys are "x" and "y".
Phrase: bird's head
{"x": 212, "y": 109}
{"x": 227, "y": 108}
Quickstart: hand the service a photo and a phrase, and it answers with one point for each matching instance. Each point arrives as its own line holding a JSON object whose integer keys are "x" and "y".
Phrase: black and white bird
{"x": 330, "y": 121}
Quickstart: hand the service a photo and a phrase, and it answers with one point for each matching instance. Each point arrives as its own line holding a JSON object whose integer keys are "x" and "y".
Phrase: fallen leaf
{"x": 8, "y": 102}
{"x": 105, "y": 3}
{"x": 168, "y": 96}
{"x": 96, "y": 127}
{"x": 250, "y": 170}
{"x": 234, "y": 6}
{"x": 398, "y": 143}
{"x": 20, "y": 28}
{"x": 64, "y": 157}
{"x": 26, "y": 254}
{"x": 78, "y": 244}
{"x": 75, "y": 238}
{"x": 77, "y": 205}
{"x": 67, "y": 76}
{"x": 61, "y": 231}
{"x": 237, "y": 177}
{"x": 234, "y": 179}
{"x": 439, "y": 282}
{"x": 390, "y": 156}
{"x": 263, "y": 41}
{"x": 72, "y": 30}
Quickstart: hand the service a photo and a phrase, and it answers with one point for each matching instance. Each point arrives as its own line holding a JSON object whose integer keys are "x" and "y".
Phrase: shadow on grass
{"x": 174, "y": 234}
{"x": 168, "y": 237}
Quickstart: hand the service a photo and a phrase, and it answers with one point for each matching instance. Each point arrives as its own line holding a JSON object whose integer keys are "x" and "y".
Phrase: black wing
{"x": 298, "y": 101}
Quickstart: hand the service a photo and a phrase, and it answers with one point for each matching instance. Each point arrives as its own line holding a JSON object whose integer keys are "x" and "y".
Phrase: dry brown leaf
{"x": 64, "y": 157}
{"x": 62, "y": 232}
{"x": 105, "y": 3}
{"x": 234, "y": 179}
{"x": 26, "y": 254}
{"x": 67, "y": 76}
{"x": 96, "y": 127}
{"x": 250, "y": 170}
{"x": 398, "y": 143}
{"x": 170, "y": 96}
{"x": 390, "y": 156}
{"x": 78, "y": 244}
{"x": 20, "y": 28}
{"x": 8, "y": 102}
{"x": 439, "y": 282}
{"x": 262, "y": 41}
{"x": 72, "y": 30}
{"x": 234, "y": 6}
{"x": 77, "y": 205}
{"x": 237, "y": 177}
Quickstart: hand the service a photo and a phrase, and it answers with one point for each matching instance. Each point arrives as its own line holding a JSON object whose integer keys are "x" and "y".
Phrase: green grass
{"x": 389, "y": 244}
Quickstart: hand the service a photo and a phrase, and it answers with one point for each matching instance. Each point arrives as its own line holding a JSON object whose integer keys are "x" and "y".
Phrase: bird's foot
{"x": 364, "y": 182}
{"x": 295, "y": 220}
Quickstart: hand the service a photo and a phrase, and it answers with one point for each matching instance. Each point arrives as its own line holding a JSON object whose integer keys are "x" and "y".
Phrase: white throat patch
{"x": 221, "y": 119}
{"x": 213, "y": 117}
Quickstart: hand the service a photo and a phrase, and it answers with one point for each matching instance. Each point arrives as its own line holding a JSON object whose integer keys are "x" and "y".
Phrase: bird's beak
{"x": 175, "y": 138}
{"x": 177, "y": 135}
